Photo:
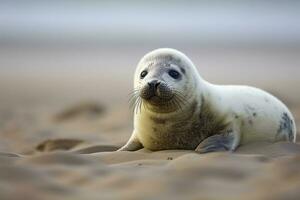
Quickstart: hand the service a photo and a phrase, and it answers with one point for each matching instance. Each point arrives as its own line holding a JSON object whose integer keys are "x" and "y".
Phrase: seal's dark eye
{"x": 143, "y": 74}
{"x": 174, "y": 74}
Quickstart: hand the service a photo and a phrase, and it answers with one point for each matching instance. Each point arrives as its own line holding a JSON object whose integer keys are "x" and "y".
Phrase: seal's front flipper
{"x": 222, "y": 142}
{"x": 133, "y": 144}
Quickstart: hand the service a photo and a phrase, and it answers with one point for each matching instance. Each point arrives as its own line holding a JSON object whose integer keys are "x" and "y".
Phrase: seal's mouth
{"x": 157, "y": 96}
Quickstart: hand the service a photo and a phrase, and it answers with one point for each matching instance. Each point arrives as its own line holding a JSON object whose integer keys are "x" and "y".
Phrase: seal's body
{"x": 176, "y": 109}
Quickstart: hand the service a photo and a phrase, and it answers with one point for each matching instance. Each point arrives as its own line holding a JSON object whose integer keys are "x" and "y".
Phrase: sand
{"x": 153, "y": 175}
{"x": 44, "y": 159}
{"x": 64, "y": 148}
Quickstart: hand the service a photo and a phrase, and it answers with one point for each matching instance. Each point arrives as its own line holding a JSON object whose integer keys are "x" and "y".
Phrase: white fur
{"x": 268, "y": 110}
{"x": 254, "y": 114}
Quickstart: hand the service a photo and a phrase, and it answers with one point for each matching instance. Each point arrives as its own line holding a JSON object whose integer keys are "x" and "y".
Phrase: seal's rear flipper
{"x": 215, "y": 143}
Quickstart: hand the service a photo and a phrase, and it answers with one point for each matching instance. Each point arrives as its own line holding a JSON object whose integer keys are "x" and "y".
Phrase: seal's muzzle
{"x": 156, "y": 90}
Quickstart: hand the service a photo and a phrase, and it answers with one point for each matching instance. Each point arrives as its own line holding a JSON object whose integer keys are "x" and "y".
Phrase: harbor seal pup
{"x": 176, "y": 109}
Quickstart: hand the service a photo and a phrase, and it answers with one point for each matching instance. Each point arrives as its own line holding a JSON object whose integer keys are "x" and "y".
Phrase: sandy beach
{"x": 59, "y": 129}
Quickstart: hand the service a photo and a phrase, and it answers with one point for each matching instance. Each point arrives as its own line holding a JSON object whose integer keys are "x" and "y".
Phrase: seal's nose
{"x": 154, "y": 84}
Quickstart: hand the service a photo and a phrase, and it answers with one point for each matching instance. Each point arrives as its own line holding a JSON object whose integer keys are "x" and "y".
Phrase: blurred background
{"x": 92, "y": 47}
{"x": 61, "y": 52}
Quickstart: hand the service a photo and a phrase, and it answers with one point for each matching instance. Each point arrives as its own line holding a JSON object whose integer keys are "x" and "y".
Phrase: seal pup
{"x": 176, "y": 109}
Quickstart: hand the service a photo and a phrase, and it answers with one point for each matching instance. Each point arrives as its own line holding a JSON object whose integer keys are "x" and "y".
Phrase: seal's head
{"x": 163, "y": 79}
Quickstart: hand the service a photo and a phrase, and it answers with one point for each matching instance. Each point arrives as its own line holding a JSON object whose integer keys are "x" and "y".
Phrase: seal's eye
{"x": 143, "y": 74}
{"x": 174, "y": 74}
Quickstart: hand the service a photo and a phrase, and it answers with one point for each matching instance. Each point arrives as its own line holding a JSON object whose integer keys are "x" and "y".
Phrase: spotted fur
{"x": 286, "y": 127}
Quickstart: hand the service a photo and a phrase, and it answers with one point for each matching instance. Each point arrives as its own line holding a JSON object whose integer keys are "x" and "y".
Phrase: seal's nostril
{"x": 157, "y": 84}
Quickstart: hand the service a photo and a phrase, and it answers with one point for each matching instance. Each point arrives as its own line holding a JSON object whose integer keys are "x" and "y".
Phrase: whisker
{"x": 137, "y": 106}
{"x": 181, "y": 98}
{"x": 134, "y": 92}
{"x": 178, "y": 105}
{"x": 134, "y": 100}
{"x": 141, "y": 104}
{"x": 134, "y": 104}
